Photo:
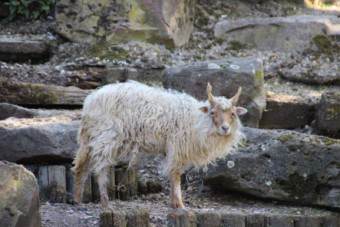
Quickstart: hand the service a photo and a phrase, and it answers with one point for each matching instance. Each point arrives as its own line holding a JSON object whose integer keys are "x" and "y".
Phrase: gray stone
{"x": 19, "y": 48}
{"x": 287, "y": 112}
{"x": 167, "y": 21}
{"x": 293, "y": 33}
{"x": 19, "y": 192}
{"x": 38, "y": 143}
{"x": 328, "y": 113}
{"x": 225, "y": 77}
{"x": 283, "y": 165}
{"x": 9, "y": 110}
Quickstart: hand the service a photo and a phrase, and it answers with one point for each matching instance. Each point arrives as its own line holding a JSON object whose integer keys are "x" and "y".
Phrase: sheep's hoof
{"x": 177, "y": 205}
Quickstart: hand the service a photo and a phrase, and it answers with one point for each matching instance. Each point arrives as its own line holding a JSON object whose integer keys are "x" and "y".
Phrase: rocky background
{"x": 285, "y": 55}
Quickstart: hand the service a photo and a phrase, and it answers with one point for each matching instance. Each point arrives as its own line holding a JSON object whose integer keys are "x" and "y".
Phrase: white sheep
{"x": 122, "y": 119}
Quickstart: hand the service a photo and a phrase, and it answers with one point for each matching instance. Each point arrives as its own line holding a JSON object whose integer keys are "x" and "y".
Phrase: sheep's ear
{"x": 236, "y": 97}
{"x": 204, "y": 109}
{"x": 241, "y": 111}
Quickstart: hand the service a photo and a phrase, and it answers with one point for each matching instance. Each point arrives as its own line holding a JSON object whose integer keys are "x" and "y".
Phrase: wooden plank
{"x": 41, "y": 94}
{"x": 52, "y": 183}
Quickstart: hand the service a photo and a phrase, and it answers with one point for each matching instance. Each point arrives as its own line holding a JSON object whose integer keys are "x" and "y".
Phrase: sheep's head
{"x": 223, "y": 112}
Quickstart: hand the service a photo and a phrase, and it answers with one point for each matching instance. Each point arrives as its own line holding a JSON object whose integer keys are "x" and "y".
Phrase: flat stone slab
{"x": 38, "y": 140}
{"x": 292, "y": 33}
{"x": 21, "y": 48}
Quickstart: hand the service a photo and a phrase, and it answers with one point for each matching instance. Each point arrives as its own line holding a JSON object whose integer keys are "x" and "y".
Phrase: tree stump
{"x": 125, "y": 218}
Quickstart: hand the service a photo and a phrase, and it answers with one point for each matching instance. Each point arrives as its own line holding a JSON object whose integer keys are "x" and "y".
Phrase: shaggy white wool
{"x": 119, "y": 120}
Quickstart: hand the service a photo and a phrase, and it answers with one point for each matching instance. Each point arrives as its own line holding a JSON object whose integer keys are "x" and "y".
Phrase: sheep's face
{"x": 223, "y": 112}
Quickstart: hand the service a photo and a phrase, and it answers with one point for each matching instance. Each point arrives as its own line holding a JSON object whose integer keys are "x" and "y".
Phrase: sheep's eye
{"x": 233, "y": 114}
{"x": 212, "y": 113}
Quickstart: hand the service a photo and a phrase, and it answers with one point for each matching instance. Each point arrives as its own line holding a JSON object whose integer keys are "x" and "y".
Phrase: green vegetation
{"x": 28, "y": 9}
{"x": 325, "y": 46}
{"x": 285, "y": 138}
{"x": 235, "y": 45}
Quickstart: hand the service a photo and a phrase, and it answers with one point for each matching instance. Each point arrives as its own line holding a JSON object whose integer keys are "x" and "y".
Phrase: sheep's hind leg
{"x": 102, "y": 178}
{"x": 81, "y": 171}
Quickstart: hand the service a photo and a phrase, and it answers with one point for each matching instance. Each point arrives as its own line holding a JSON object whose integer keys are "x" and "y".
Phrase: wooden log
{"x": 182, "y": 218}
{"x": 125, "y": 218}
{"x": 245, "y": 217}
{"x": 52, "y": 182}
{"x": 126, "y": 182}
{"x": 41, "y": 94}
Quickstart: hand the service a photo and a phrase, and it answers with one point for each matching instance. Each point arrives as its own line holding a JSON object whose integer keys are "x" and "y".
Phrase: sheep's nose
{"x": 225, "y": 128}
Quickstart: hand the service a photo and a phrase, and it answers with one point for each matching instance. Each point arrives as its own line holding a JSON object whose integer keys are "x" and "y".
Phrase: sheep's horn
{"x": 236, "y": 97}
{"x": 209, "y": 93}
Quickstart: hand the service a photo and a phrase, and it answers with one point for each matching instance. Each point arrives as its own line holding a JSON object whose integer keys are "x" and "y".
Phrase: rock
{"x": 293, "y": 33}
{"x": 135, "y": 217}
{"x": 9, "y": 110}
{"x": 41, "y": 94}
{"x": 167, "y": 21}
{"x": 247, "y": 217}
{"x": 19, "y": 194}
{"x": 282, "y": 165}
{"x": 287, "y": 112}
{"x": 225, "y": 77}
{"x": 328, "y": 113}
{"x": 46, "y": 140}
{"x": 20, "y": 48}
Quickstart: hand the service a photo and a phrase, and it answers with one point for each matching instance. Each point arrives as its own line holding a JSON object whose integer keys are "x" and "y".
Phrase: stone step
{"x": 24, "y": 48}
{"x": 287, "y": 112}
{"x": 292, "y": 105}
{"x": 293, "y": 33}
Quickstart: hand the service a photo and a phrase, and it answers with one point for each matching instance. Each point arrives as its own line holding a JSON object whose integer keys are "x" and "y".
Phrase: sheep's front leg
{"x": 176, "y": 194}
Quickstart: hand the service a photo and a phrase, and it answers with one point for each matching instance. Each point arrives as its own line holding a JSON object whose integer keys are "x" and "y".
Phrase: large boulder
{"x": 19, "y": 193}
{"x": 166, "y": 21}
{"x": 293, "y": 33}
{"x": 43, "y": 140}
{"x": 328, "y": 113}
{"x": 282, "y": 165}
{"x": 225, "y": 77}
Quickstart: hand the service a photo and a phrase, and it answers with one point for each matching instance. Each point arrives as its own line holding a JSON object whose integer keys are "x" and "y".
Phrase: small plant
{"x": 28, "y": 9}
